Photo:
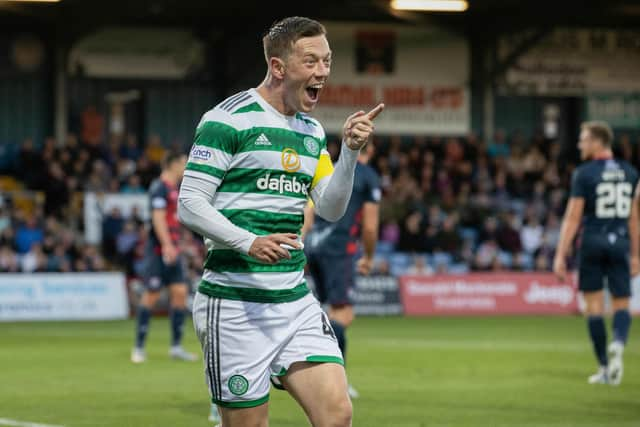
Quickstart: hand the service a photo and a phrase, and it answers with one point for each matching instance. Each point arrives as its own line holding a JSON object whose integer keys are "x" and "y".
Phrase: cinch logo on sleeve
{"x": 201, "y": 153}
{"x": 282, "y": 184}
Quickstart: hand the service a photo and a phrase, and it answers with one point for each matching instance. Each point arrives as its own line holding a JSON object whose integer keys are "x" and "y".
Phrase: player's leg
{"x": 621, "y": 320}
{"x": 245, "y": 417}
{"x": 152, "y": 282}
{"x": 597, "y": 331}
{"x": 148, "y": 300}
{"x": 178, "y": 294}
{"x": 339, "y": 283}
{"x": 321, "y": 390}
{"x": 310, "y": 365}
{"x": 332, "y": 287}
{"x": 620, "y": 288}
{"x": 591, "y": 283}
{"x": 339, "y": 277}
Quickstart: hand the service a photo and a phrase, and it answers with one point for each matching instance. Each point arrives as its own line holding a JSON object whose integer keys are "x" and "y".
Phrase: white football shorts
{"x": 246, "y": 343}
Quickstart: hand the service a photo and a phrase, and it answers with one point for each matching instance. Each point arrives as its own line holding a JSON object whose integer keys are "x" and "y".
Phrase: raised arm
{"x": 331, "y": 187}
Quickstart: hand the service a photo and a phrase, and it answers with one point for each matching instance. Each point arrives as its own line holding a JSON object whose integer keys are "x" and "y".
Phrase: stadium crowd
{"x": 449, "y": 204}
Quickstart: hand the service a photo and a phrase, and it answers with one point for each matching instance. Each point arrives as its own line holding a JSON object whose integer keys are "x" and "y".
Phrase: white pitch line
{"x": 16, "y": 423}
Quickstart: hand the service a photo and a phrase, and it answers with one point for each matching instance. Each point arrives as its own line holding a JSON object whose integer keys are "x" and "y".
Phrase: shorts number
{"x": 614, "y": 200}
{"x": 326, "y": 326}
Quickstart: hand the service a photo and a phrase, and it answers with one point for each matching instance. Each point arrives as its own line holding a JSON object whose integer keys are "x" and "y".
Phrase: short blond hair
{"x": 599, "y": 130}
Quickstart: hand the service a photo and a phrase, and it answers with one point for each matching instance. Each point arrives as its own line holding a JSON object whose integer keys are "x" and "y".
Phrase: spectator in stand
{"x": 542, "y": 263}
{"x": 507, "y": 236}
{"x": 34, "y": 261}
{"x": 28, "y": 234}
{"x": 498, "y": 148}
{"x": 30, "y": 165}
{"x": 126, "y": 242}
{"x": 71, "y": 145}
{"x": 420, "y": 267}
{"x": 489, "y": 230}
{"x": 112, "y": 225}
{"x": 146, "y": 170}
{"x": 113, "y": 186}
{"x": 384, "y": 171}
{"x": 390, "y": 232}
{"x": 130, "y": 150}
{"x": 447, "y": 239}
{"x": 9, "y": 262}
{"x": 82, "y": 165}
{"x": 5, "y": 219}
{"x": 411, "y": 234}
{"x": 55, "y": 190}
{"x": 100, "y": 177}
{"x": 133, "y": 185}
{"x": 154, "y": 150}
{"x": 59, "y": 261}
{"x": 486, "y": 255}
{"x": 534, "y": 164}
{"x": 93, "y": 259}
{"x": 531, "y": 234}
{"x": 92, "y": 131}
{"x": 124, "y": 169}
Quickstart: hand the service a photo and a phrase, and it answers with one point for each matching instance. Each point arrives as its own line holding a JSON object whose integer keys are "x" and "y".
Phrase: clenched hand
{"x": 267, "y": 249}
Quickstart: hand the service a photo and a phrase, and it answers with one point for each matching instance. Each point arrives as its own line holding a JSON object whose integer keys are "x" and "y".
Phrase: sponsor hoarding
{"x": 376, "y": 296}
{"x": 487, "y": 293}
{"x": 63, "y": 296}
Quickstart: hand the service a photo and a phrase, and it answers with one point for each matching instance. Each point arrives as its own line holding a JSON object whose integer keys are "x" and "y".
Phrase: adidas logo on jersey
{"x": 282, "y": 184}
{"x": 263, "y": 140}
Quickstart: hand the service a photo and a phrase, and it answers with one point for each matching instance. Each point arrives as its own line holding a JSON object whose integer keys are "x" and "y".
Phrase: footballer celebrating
{"x": 604, "y": 199}
{"x": 256, "y": 159}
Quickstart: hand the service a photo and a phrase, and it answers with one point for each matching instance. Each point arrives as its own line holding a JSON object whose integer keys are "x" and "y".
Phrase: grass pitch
{"x": 501, "y": 371}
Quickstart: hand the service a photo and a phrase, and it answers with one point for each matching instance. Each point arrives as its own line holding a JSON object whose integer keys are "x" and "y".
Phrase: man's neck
{"x": 168, "y": 177}
{"x": 273, "y": 92}
{"x": 603, "y": 154}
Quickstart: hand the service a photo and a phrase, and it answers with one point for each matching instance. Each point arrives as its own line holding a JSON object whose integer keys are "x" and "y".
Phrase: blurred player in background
{"x": 256, "y": 159}
{"x": 163, "y": 263}
{"x": 331, "y": 248}
{"x": 603, "y": 190}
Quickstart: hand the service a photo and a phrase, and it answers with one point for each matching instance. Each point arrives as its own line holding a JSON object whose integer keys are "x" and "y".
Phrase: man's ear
{"x": 277, "y": 67}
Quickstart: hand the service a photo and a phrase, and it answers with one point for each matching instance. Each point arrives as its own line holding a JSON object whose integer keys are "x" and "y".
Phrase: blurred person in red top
{"x": 163, "y": 261}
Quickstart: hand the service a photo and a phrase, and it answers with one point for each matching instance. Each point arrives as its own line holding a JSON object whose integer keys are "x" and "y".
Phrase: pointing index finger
{"x": 374, "y": 113}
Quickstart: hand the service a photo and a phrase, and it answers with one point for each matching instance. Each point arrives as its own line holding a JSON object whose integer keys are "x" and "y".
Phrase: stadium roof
{"x": 80, "y": 15}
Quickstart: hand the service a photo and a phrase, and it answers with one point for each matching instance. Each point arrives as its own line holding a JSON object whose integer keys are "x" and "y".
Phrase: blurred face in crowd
{"x": 174, "y": 167}
{"x": 304, "y": 72}
{"x": 178, "y": 165}
{"x": 588, "y": 145}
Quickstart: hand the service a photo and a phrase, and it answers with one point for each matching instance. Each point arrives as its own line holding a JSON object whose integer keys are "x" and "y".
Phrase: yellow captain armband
{"x": 323, "y": 169}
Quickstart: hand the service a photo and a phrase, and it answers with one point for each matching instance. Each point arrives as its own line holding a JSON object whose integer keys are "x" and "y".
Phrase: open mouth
{"x": 313, "y": 92}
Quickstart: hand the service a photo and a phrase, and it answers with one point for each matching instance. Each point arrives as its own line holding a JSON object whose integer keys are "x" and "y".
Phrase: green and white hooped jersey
{"x": 265, "y": 164}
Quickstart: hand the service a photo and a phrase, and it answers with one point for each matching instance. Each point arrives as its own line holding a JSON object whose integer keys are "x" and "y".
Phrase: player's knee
{"x": 620, "y": 303}
{"x": 340, "y": 413}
